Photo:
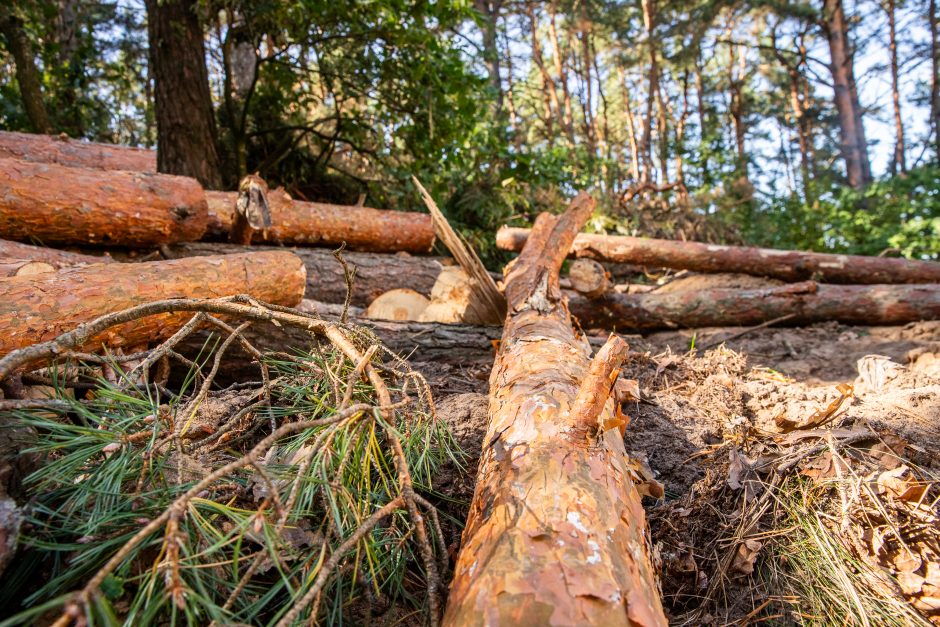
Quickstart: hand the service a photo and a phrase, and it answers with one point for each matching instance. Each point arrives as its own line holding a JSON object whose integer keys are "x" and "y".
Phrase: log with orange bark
{"x": 54, "y": 204}
{"x": 801, "y": 303}
{"x": 17, "y": 259}
{"x": 787, "y": 265}
{"x": 40, "y": 307}
{"x": 320, "y": 224}
{"x": 556, "y": 533}
{"x": 62, "y": 150}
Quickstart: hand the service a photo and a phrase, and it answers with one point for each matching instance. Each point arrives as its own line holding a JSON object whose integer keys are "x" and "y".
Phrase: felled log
{"x": 556, "y": 532}
{"x": 805, "y": 303}
{"x": 326, "y": 282}
{"x": 787, "y": 265}
{"x": 62, "y": 150}
{"x": 399, "y": 304}
{"x": 38, "y": 308}
{"x": 589, "y": 278}
{"x": 53, "y": 257}
{"x": 55, "y": 204}
{"x": 320, "y": 224}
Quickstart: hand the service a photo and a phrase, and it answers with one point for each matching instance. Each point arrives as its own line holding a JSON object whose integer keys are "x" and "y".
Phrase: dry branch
{"x": 326, "y": 281}
{"x": 556, "y": 533}
{"x": 320, "y": 224}
{"x": 55, "y": 204}
{"x": 37, "y": 308}
{"x": 786, "y": 265}
{"x": 801, "y": 303}
{"x": 76, "y": 153}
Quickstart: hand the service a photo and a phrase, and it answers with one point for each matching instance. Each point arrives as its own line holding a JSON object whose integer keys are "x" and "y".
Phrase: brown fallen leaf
{"x": 820, "y": 416}
{"x": 745, "y": 557}
{"x": 824, "y": 467}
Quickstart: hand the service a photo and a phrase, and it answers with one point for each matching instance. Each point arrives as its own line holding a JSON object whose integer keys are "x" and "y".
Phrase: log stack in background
{"x": 76, "y": 153}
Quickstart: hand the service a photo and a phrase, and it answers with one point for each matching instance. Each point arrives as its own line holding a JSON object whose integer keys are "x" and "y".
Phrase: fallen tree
{"x": 62, "y": 150}
{"x": 313, "y": 223}
{"x": 55, "y": 204}
{"x": 786, "y": 265}
{"x": 37, "y": 308}
{"x": 52, "y": 256}
{"x": 326, "y": 279}
{"x": 556, "y": 532}
{"x": 801, "y": 303}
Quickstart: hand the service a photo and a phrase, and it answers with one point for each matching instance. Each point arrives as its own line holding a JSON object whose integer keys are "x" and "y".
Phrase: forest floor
{"x": 797, "y": 466}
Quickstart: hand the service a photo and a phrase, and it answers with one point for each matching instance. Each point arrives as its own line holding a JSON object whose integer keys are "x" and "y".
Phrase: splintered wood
{"x": 556, "y": 532}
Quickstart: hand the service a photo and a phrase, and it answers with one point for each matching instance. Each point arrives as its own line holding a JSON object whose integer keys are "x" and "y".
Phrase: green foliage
{"x": 899, "y": 214}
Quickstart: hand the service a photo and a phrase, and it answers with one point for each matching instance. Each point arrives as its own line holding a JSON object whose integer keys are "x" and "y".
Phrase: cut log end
{"x": 589, "y": 278}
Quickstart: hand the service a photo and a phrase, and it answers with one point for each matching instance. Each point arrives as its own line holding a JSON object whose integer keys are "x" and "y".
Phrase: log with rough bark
{"x": 38, "y": 308}
{"x": 320, "y": 224}
{"x": 55, "y": 204}
{"x": 786, "y": 265}
{"x": 76, "y": 153}
{"x": 54, "y": 257}
{"x": 556, "y": 532}
{"x": 326, "y": 282}
{"x": 805, "y": 303}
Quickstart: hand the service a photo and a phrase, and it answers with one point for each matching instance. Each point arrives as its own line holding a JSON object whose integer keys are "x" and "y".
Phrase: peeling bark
{"x": 801, "y": 303}
{"x": 59, "y": 205}
{"x": 38, "y": 308}
{"x": 786, "y": 265}
{"x": 556, "y": 533}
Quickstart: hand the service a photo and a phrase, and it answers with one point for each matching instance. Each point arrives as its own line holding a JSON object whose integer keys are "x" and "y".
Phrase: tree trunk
{"x": 186, "y": 132}
{"x": 558, "y": 56}
{"x": 74, "y": 153}
{"x": 38, "y": 308}
{"x": 326, "y": 282}
{"x": 934, "y": 75}
{"x": 899, "y": 160}
{"x": 58, "y": 259}
{"x": 779, "y": 264}
{"x": 801, "y": 303}
{"x": 27, "y": 75}
{"x": 548, "y": 84}
{"x": 58, "y": 205}
{"x": 556, "y": 533}
{"x": 489, "y": 13}
{"x": 646, "y": 137}
{"x": 313, "y": 223}
{"x": 842, "y": 66}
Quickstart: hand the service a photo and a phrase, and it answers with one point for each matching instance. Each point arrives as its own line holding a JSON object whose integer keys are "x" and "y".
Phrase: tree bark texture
{"x": 849, "y": 109}
{"x": 55, "y": 204}
{"x": 786, "y": 265}
{"x": 38, "y": 308}
{"x": 186, "y": 131}
{"x": 54, "y": 257}
{"x": 321, "y": 224}
{"x": 804, "y": 303}
{"x": 556, "y": 533}
{"x": 27, "y": 74}
{"x": 326, "y": 281}
{"x": 76, "y": 153}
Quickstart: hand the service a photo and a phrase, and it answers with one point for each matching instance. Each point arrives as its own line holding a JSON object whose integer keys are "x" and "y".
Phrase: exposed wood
{"x": 302, "y": 223}
{"x": 38, "y": 308}
{"x": 55, "y": 204}
{"x": 399, "y": 304}
{"x": 589, "y": 278}
{"x": 375, "y": 273}
{"x": 787, "y": 265}
{"x": 556, "y": 533}
{"x": 804, "y": 303}
{"x": 452, "y": 299}
{"x": 52, "y": 256}
{"x": 23, "y": 267}
{"x": 486, "y": 303}
{"x": 251, "y": 212}
{"x": 76, "y": 153}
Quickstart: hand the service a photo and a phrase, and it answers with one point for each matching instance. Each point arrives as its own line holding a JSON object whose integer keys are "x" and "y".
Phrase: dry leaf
{"x": 820, "y": 416}
{"x": 745, "y": 557}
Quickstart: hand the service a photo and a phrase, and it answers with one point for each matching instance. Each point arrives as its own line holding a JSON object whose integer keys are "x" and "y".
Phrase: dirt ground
{"x": 711, "y": 399}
